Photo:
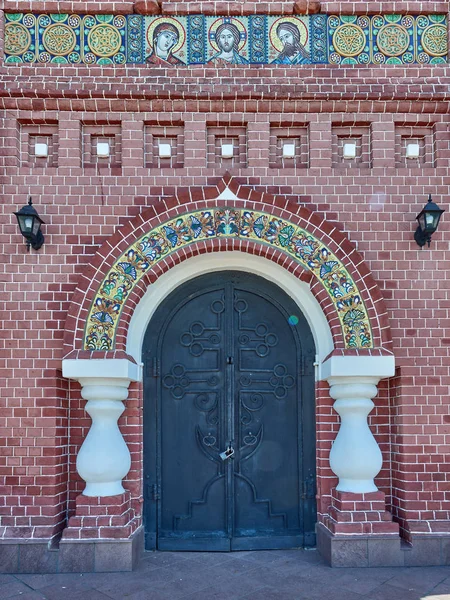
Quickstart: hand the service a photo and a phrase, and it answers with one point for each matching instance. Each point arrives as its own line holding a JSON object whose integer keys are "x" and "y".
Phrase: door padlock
{"x": 228, "y": 453}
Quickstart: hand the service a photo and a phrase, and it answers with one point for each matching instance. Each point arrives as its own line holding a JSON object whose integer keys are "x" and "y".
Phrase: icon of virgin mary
{"x": 165, "y": 37}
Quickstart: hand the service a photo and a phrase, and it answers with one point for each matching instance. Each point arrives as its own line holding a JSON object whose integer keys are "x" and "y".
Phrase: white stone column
{"x": 104, "y": 459}
{"x": 355, "y": 456}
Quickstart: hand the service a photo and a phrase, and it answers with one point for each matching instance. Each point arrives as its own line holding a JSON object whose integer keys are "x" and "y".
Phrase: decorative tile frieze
{"x": 222, "y": 41}
{"x": 156, "y": 245}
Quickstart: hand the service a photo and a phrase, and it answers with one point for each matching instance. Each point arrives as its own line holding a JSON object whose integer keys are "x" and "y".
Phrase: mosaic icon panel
{"x": 154, "y": 246}
{"x": 224, "y": 41}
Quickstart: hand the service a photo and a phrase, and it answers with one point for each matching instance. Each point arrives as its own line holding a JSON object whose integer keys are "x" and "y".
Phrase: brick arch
{"x": 91, "y": 303}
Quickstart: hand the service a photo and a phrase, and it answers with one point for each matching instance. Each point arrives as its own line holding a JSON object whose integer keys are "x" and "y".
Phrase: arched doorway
{"x": 229, "y": 418}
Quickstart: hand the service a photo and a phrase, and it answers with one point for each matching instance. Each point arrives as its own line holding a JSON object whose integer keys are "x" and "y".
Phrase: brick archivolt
{"x": 257, "y": 223}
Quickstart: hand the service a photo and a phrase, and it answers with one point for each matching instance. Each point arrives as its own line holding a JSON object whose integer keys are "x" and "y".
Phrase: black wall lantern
{"x": 428, "y": 220}
{"x": 30, "y": 225}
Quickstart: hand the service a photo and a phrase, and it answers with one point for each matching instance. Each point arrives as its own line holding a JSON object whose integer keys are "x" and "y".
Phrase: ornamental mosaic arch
{"x": 155, "y": 245}
{"x": 221, "y": 41}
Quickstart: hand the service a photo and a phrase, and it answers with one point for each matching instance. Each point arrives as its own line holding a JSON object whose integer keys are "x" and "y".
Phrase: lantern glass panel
{"x": 36, "y": 226}
{"x": 26, "y": 223}
{"x": 421, "y": 220}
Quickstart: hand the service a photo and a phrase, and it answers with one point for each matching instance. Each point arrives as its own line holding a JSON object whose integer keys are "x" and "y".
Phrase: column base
{"x": 382, "y": 551}
{"x": 359, "y": 514}
{"x": 359, "y": 550}
{"x": 72, "y": 556}
{"x": 359, "y": 532}
{"x": 105, "y": 517}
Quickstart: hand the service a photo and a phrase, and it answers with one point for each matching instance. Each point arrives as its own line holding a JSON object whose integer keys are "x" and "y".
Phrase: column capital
{"x": 353, "y": 369}
{"x": 108, "y": 371}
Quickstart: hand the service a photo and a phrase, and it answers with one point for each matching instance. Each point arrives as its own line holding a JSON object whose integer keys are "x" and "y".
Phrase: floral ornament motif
{"x": 105, "y": 310}
{"x": 203, "y": 224}
{"x": 304, "y": 246}
{"x": 153, "y": 246}
{"x": 178, "y": 232}
{"x": 227, "y": 222}
{"x": 133, "y": 264}
{"x": 117, "y": 286}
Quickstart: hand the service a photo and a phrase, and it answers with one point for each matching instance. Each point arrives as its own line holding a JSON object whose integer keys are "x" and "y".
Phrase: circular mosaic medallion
{"x": 104, "y": 40}
{"x": 393, "y": 40}
{"x": 17, "y": 38}
{"x": 29, "y": 20}
{"x": 59, "y": 39}
{"x": 349, "y": 40}
{"x": 434, "y": 40}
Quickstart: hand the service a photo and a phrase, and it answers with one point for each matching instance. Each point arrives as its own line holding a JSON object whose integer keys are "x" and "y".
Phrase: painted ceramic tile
{"x": 197, "y": 39}
{"x": 157, "y": 244}
{"x": 432, "y": 39}
{"x": 318, "y": 43}
{"x": 349, "y": 40}
{"x": 166, "y": 41}
{"x": 222, "y": 41}
{"x": 62, "y": 38}
{"x": 257, "y": 28}
{"x": 20, "y": 38}
{"x": 289, "y": 40}
{"x": 227, "y": 41}
{"x": 135, "y": 39}
{"x": 103, "y": 39}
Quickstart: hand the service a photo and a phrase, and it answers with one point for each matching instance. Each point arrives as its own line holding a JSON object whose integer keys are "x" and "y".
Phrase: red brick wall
{"x": 42, "y": 415}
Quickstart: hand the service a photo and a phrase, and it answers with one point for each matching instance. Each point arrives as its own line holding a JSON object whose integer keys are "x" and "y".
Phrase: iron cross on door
{"x": 229, "y": 418}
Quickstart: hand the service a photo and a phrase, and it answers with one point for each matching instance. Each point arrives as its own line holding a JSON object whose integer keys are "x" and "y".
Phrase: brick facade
{"x": 91, "y": 209}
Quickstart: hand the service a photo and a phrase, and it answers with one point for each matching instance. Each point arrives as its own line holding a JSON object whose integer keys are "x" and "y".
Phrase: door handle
{"x": 228, "y": 453}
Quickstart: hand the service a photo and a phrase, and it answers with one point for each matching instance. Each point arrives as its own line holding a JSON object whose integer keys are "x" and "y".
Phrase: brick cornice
{"x": 123, "y": 7}
{"x": 297, "y": 107}
{"x": 321, "y": 83}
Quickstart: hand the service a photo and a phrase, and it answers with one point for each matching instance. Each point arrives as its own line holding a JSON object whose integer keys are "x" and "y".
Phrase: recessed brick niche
{"x": 170, "y": 135}
{"x": 420, "y": 134}
{"x": 31, "y": 134}
{"x": 234, "y": 136}
{"x": 348, "y": 134}
{"x": 296, "y": 136}
{"x": 110, "y": 133}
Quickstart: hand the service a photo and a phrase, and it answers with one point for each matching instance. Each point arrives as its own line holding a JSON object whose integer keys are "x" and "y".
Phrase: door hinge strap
{"x": 155, "y": 372}
{"x": 155, "y": 492}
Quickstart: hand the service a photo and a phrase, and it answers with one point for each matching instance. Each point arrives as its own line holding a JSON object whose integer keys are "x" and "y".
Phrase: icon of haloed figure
{"x": 165, "y": 37}
{"x": 293, "y": 52}
{"x": 227, "y": 39}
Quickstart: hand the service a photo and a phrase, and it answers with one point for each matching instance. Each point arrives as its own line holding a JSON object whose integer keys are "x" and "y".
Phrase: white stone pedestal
{"x": 104, "y": 459}
{"x": 355, "y": 456}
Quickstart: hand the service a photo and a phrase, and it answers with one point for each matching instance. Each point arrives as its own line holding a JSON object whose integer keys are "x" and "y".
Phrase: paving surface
{"x": 272, "y": 575}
